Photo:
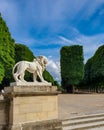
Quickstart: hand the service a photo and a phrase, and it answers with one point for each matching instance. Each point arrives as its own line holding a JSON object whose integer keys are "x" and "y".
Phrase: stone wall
{"x": 29, "y": 108}
{"x": 4, "y": 112}
{"x": 33, "y": 108}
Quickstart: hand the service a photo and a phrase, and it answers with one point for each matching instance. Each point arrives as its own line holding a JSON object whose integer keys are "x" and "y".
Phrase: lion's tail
{"x": 14, "y": 68}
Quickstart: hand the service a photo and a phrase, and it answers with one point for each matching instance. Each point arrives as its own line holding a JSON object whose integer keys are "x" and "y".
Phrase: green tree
{"x": 48, "y": 77}
{"x": 22, "y": 52}
{"x": 94, "y": 70}
{"x": 72, "y": 66}
{"x": 6, "y": 52}
{"x": 2, "y": 71}
{"x": 88, "y": 67}
{"x": 86, "y": 83}
{"x": 98, "y": 64}
{"x": 97, "y": 68}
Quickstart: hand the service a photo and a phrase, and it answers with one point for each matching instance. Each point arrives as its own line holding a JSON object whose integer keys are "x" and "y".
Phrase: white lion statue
{"x": 36, "y": 68}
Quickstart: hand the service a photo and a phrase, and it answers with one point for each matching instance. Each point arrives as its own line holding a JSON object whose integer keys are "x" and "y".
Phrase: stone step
{"x": 85, "y": 116}
{"x": 83, "y": 122}
{"x": 84, "y": 126}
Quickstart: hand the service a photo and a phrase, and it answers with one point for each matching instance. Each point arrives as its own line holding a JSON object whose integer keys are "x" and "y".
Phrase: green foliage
{"x": 98, "y": 64}
{"x": 88, "y": 67}
{"x": 2, "y": 72}
{"x": 94, "y": 70}
{"x": 72, "y": 66}
{"x": 22, "y": 52}
{"x": 48, "y": 77}
{"x": 6, "y": 51}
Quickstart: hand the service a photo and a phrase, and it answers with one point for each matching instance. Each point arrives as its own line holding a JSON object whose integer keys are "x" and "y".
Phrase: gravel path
{"x": 70, "y": 105}
{"x": 98, "y": 128}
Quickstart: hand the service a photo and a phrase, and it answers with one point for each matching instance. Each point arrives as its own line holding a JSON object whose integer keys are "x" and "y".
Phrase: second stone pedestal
{"x": 32, "y": 104}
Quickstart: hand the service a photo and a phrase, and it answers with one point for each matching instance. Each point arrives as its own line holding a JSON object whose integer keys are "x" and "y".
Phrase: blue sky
{"x": 47, "y": 25}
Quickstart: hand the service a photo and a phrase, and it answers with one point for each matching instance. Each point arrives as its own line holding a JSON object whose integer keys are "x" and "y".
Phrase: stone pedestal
{"x": 4, "y": 107}
{"x": 32, "y": 104}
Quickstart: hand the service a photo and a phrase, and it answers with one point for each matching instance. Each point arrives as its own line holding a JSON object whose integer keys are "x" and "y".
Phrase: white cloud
{"x": 9, "y": 12}
{"x": 65, "y": 40}
{"x": 90, "y": 43}
{"x": 54, "y": 69}
{"x": 27, "y": 41}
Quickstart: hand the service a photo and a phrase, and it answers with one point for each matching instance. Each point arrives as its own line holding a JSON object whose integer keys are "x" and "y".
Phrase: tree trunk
{"x": 70, "y": 89}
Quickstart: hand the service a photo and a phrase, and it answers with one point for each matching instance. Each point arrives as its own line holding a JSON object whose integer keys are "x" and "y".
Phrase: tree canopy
{"x": 22, "y": 52}
{"x": 94, "y": 69}
{"x": 72, "y": 66}
{"x": 7, "y": 53}
{"x": 48, "y": 77}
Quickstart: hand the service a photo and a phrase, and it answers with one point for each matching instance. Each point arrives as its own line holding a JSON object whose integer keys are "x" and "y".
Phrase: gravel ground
{"x": 98, "y": 128}
{"x": 70, "y": 105}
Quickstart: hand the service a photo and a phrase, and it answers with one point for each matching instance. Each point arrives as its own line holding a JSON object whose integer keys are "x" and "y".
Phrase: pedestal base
{"x": 32, "y": 105}
{"x": 30, "y": 84}
{"x": 43, "y": 125}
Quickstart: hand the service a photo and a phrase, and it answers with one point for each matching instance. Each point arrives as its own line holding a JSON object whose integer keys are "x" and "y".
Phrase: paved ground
{"x": 71, "y": 105}
{"x": 98, "y": 128}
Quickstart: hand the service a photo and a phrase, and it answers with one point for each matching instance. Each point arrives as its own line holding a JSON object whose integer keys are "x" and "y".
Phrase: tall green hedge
{"x": 72, "y": 66}
{"x": 88, "y": 71}
{"x": 22, "y": 52}
{"x": 94, "y": 69}
{"x": 48, "y": 77}
{"x": 7, "y": 52}
{"x": 98, "y": 64}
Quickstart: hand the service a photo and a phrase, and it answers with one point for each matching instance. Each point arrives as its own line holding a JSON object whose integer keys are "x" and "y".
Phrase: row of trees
{"x": 75, "y": 73}
{"x": 94, "y": 71}
{"x": 10, "y": 53}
